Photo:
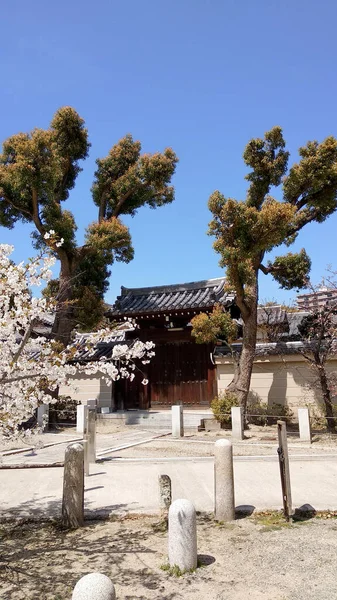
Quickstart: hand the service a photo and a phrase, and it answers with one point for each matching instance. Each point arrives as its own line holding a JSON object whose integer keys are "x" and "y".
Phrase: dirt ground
{"x": 258, "y": 441}
{"x": 260, "y": 558}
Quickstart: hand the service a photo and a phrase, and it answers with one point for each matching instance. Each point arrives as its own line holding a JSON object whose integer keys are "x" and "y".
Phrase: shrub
{"x": 63, "y": 411}
{"x": 221, "y": 406}
{"x": 259, "y": 413}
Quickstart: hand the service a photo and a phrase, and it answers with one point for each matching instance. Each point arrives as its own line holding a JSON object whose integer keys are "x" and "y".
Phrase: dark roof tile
{"x": 195, "y": 295}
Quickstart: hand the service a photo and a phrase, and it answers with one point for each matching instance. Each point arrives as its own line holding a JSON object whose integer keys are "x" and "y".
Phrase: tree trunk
{"x": 64, "y": 317}
{"x": 241, "y": 382}
{"x": 328, "y": 406}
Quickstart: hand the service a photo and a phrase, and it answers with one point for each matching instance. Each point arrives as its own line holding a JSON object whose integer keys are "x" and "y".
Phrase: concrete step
{"x": 154, "y": 419}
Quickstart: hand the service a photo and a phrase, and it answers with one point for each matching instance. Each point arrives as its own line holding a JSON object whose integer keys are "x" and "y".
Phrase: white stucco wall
{"x": 90, "y": 387}
{"x": 276, "y": 379}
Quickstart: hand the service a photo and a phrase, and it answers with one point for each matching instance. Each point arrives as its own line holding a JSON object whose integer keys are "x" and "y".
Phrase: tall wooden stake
{"x": 284, "y": 468}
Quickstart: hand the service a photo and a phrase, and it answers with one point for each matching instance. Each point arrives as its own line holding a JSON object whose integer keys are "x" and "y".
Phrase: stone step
{"x": 155, "y": 420}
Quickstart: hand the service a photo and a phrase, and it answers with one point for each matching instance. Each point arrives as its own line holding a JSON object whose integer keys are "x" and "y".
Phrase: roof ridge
{"x": 159, "y": 289}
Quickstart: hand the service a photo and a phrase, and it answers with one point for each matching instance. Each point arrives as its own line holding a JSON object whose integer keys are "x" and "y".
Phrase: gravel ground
{"x": 259, "y": 559}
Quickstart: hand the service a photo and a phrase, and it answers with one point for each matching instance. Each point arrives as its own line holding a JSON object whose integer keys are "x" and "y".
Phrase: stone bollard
{"x": 82, "y": 418}
{"x": 224, "y": 505}
{"x": 304, "y": 424}
{"x": 237, "y": 422}
{"x": 85, "y": 444}
{"x": 43, "y": 416}
{"x": 177, "y": 421}
{"x": 182, "y": 533}
{"x": 73, "y": 487}
{"x": 91, "y": 436}
{"x": 94, "y": 586}
{"x": 165, "y": 493}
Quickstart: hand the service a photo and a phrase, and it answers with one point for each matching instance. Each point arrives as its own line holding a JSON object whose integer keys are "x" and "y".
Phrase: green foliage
{"x": 37, "y": 172}
{"x": 176, "y": 571}
{"x": 221, "y": 406}
{"x": 260, "y": 413}
{"x": 292, "y": 270}
{"x": 209, "y": 328}
{"x": 245, "y": 231}
{"x": 128, "y": 180}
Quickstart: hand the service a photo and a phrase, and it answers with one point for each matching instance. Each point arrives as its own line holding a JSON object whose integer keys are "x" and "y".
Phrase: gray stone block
{"x": 182, "y": 535}
{"x": 94, "y": 586}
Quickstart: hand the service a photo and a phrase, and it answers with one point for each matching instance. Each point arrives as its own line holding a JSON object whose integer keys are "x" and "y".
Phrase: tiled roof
{"x": 271, "y": 315}
{"x": 166, "y": 298}
{"x": 265, "y": 349}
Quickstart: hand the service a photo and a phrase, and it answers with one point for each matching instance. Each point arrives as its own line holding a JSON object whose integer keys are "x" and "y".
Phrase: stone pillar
{"x": 85, "y": 444}
{"x": 91, "y": 436}
{"x": 81, "y": 418}
{"x": 182, "y": 535}
{"x": 43, "y": 416}
{"x": 165, "y": 493}
{"x": 177, "y": 421}
{"x": 224, "y": 505}
{"x": 237, "y": 422}
{"x": 94, "y": 586}
{"x": 73, "y": 487}
{"x": 304, "y": 424}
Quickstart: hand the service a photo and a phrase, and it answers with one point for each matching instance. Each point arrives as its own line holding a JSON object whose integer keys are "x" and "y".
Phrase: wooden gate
{"x": 179, "y": 372}
{"x": 182, "y": 372}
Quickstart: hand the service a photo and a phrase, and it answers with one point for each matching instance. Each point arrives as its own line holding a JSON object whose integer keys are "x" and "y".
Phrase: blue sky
{"x": 200, "y": 76}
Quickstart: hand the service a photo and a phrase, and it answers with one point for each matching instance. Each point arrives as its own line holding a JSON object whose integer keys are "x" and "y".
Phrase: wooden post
{"x": 284, "y": 468}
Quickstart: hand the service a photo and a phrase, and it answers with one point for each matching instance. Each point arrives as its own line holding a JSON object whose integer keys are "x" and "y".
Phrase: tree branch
{"x": 36, "y": 215}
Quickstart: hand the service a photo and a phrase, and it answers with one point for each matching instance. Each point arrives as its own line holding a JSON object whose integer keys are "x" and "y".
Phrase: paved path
{"x": 55, "y": 451}
{"x": 120, "y": 485}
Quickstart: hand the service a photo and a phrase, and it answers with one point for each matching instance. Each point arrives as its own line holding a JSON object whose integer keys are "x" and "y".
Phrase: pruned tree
{"x": 246, "y": 231}
{"x": 37, "y": 172}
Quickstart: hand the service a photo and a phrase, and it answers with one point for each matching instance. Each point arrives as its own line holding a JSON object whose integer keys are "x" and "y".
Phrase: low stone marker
{"x": 224, "y": 504}
{"x": 177, "y": 421}
{"x": 304, "y": 424}
{"x": 90, "y": 436}
{"x": 237, "y": 422}
{"x": 182, "y": 535}
{"x": 73, "y": 487}
{"x": 94, "y": 586}
{"x": 165, "y": 493}
{"x": 43, "y": 416}
{"x": 81, "y": 418}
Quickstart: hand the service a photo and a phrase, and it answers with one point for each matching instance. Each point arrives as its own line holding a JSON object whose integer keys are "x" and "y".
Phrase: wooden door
{"x": 182, "y": 372}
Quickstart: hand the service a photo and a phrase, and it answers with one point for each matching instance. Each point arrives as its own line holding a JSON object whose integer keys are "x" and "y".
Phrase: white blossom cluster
{"x": 31, "y": 367}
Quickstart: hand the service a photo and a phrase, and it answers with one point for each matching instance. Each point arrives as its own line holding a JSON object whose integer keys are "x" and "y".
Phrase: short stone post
{"x": 94, "y": 586}
{"x": 237, "y": 422}
{"x": 81, "y": 418}
{"x": 182, "y": 533}
{"x": 43, "y": 416}
{"x": 224, "y": 504}
{"x": 177, "y": 421}
{"x": 165, "y": 493}
{"x": 304, "y": 424}
{"x": 73, "y": 487}
{"x": 85, "y": 444}
{"x": 91, "y": 436}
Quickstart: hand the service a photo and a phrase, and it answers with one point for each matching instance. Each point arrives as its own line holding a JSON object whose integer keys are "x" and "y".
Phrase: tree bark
{"x": 64, "y": 317}
{"x": 328, "y": 406}
{"x": 241, "y": 381}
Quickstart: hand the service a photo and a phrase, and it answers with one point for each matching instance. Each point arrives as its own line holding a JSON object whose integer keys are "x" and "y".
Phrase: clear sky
{"x": 200, "y": 76}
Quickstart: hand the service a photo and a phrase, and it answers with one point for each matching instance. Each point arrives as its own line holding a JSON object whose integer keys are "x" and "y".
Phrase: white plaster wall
{"x": 90, "y": 387}
{"x": 278, "y": 380}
